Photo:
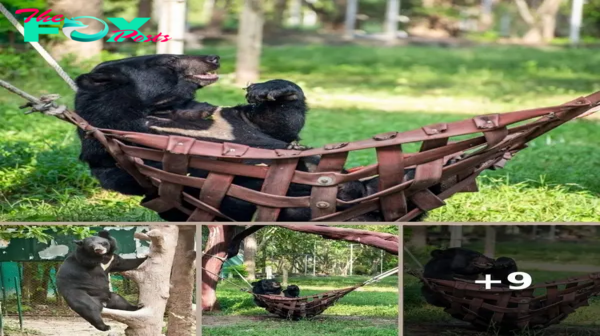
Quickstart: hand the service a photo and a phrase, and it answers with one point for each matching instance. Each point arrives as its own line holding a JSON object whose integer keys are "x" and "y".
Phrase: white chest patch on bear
{"x": 104, "y": 267}
{"x": 220, "y": 129}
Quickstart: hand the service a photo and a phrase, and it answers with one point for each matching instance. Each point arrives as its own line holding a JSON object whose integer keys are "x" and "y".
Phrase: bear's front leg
{"x": 278, "y": 108}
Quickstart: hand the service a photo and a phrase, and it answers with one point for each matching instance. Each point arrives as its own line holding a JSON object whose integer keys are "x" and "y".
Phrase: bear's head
{"x": 100, "y": 245}
{"x": 266, "y": 286}
{"x": 153, "y": 81}
{"x": 463, "y": 261}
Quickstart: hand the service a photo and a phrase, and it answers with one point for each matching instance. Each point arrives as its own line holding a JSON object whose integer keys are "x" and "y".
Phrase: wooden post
{"x": 305, "y": 264}
{"x": 269, "y": 272}
{"x": 296, "y": 13}
{"x": 172, "y": 22}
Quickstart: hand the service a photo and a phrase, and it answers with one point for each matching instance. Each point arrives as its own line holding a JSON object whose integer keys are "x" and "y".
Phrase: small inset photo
{"x": 59, "y": 280}
{"x": 517, "y": 280}
{"x": 308, "y": 280}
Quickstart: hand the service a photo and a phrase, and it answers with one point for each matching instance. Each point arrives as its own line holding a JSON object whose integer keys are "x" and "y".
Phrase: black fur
{"x": 292, "y": 291}
{"x": 84, "y": 284}
{"x": 155, "y": 94}
{"x": 265, "y": 287}
{"x": 502, "y": 268}
{"x": 450, "y": 264}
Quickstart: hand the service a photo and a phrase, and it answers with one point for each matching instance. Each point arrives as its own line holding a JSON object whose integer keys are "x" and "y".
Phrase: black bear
{"x": 265, "y": 287}
{"x": 503, "y": 267}
{"x": 292, "y": 291}
{"x": 155, "y": 94}
{"x": 453, "y": 263}
{"x": 82, "y": 278}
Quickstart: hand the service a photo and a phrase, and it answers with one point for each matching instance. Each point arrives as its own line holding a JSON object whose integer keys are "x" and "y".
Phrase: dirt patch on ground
{"x": 56, "y": 326}
{"x": 219, "y": 320}
{"x": 466, "y": 330}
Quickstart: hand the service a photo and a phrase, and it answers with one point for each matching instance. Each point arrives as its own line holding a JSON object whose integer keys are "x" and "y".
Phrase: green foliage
{"x": 241, "y": 269}
{"x": 12, "y": 6}
{"x": 43, "y": 233}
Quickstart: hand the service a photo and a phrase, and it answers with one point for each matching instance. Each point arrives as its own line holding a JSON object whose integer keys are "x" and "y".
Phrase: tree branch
{"x": 525, "y": 12}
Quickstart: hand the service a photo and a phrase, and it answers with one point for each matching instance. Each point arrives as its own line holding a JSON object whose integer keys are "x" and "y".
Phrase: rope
{"x": 39, "y": 49}
{"x": 381, "y": 276}
{"x": 413, "y": 258}
{"x": 44, "y": 104}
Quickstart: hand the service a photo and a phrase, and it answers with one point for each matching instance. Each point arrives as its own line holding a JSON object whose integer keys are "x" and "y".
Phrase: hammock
{"x": 410, "y": 184}
{"x": 507, "y": 310}
{"x": 310, "y": 305}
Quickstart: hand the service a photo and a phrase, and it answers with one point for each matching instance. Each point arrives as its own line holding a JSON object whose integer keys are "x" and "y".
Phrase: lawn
{"x": 355, "y": 92}
{"x": 370, "y": 310}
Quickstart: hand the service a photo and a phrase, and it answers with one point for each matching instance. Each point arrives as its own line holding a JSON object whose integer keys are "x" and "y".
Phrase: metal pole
{"x": 351, "y": 258}
{"x": 381, "y": 262}
{"x": 575, "y": 24}
{"x": 19, "y": 306}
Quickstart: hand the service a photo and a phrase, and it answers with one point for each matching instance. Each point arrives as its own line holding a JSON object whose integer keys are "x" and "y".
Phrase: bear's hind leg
{"x": 90, "y": 309}
{"x": 118, "y": 302}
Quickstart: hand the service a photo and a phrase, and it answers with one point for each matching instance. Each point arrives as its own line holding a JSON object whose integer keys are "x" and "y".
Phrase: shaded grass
{"x": 416, "y": 309}
{"x": 42, "y": 180}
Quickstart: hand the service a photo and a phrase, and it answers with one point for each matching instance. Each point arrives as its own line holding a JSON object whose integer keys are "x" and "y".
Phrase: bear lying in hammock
{"x": 155, "y": 94}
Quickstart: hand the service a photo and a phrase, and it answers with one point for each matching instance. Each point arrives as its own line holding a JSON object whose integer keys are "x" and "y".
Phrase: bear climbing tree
{"x": 153, "y": 278}
{"x": 223, "y": 242}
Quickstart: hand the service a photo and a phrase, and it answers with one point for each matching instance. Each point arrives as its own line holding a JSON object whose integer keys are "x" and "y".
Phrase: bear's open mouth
{"x": 204, "y": 79}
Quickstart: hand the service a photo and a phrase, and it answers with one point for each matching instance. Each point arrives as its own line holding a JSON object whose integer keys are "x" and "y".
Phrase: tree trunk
{"x": 250, "y": 256}
{"x": 542, "y": 24}
{"x": 207, "y": 10}
{"x": 218, "y": 15}
{"x": 350, "y": 22}
{"x": 73, "y": 8}
{"x": 144, "y": 8}
{"x": 249, "y": 43}
{"x": 278, "y": 14}
{"x": 153, "y": 279}
{"x": 490, "y": 241}
{"x": 215, "y": 253}
{"x": 179, "y": 306}
{"x": 456, "y": 236}
{"x": 391, "y": 19}
{"x": 418, "y": 238}
{"x": 296, "y": 13}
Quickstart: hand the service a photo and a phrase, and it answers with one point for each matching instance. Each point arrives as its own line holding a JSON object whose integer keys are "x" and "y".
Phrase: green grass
{"x": 374, "y": 309}
{"x": 354, "y": 92}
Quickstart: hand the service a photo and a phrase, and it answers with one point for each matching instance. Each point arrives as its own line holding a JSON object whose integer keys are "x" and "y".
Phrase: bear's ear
{"x": 78, "y": 242}
{"x": 96, "y": 80}
{"x": 436, "y": 253}
{"x": 104, "y": 234}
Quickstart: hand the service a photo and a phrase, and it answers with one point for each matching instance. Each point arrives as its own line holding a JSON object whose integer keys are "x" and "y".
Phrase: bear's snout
{"x": 99, "y": 250}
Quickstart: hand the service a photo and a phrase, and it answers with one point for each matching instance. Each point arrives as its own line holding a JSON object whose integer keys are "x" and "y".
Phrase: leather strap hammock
{"x": 535, "y": 307}
{"x": 310, "y": 305}
{"x": 491, "y": 140}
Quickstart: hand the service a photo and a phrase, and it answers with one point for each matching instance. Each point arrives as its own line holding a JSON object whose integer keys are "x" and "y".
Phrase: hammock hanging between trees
{"x": 508, "y": 310}
{"x": 310, "y": 305}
